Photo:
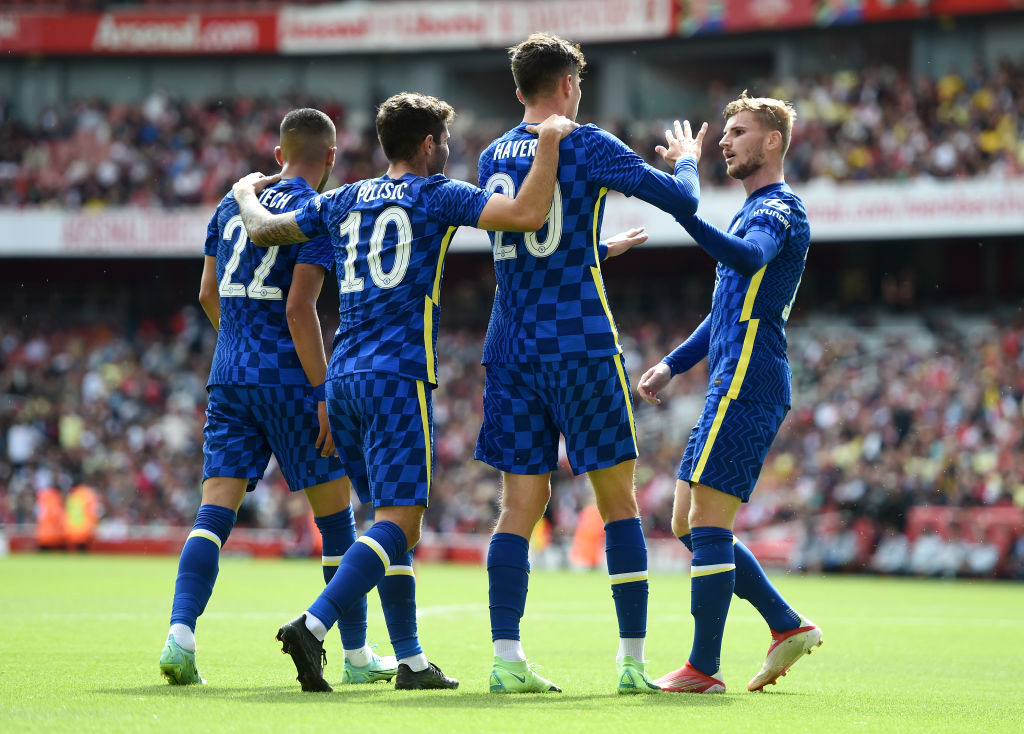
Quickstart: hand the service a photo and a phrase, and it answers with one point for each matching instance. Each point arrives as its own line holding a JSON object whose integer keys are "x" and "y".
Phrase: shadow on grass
{"x": 417, "y": 699}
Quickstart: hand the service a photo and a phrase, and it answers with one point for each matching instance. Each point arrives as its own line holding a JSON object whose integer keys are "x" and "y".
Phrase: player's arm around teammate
{"x": 524, "y": 213}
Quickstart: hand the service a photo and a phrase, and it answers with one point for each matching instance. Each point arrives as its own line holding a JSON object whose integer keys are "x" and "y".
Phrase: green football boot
{"x": 379, "y": 668}
{"x": 519, "y": 677}
{"x": 633, "y": 677}
{"x": 178, "y": 665}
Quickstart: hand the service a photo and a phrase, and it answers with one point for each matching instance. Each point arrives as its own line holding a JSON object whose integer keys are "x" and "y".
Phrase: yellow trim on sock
{"x": 696, "y": 571}
{"x": 377, "y": 548}
{"x": 400, "y": 571}
{"x": 203, "y": 533}
{"x": 625, "y": 578}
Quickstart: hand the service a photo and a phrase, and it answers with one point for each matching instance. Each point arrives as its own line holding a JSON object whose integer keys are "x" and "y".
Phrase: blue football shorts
{"x": 383, "y": 427}
{"x": 244, "y": 425}
{"x": 527, "y": 405}
{"x": 728, "y": 445}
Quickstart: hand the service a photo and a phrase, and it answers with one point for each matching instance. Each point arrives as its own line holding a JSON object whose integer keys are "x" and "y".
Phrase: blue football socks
{"x": 753, "y": 585}
{"x": 339, "y": 533}
{"x": 398, "y": 602}
{"x": 508, "y": 575}
{"x": 361, "y": 568}
{"x": 626, "y": 553}
{"x": 712, "y": 580}
{"x": 199, "y": 563}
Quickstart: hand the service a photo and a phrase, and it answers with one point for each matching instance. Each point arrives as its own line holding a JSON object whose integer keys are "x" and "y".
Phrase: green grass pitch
{"x": 81, "y": 637}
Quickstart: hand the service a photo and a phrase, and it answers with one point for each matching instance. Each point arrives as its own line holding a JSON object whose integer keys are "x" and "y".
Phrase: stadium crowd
{"x": 888, "y": 418}
{"x": 857, "y": 124}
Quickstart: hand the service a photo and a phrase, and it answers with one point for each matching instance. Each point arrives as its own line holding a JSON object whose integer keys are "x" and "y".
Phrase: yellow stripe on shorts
{"x": 421, "y": 393}
{"x": 712, "y": 435}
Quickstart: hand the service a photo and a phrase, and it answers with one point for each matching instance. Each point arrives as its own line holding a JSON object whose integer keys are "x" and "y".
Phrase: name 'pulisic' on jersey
{"x": 390, "y": 238}
{"x": 550, "y": 303}
{"x": 747, "y": 355}
{"x": 254, "y": 345}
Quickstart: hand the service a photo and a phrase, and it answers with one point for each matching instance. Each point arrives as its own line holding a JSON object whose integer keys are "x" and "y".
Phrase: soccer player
{"x": 391, "y": 235}
{"x": 553, "y": 361}
{"x": 760, "y": 261}
{"x": 268, "y": 357}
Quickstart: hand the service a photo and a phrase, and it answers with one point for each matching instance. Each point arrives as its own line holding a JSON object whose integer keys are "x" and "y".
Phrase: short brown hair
{"x": 773, "y": 114}
{"x": 405, "y": 119}
{"x": 306, "y": 134}
{"x": 540, "y": 60}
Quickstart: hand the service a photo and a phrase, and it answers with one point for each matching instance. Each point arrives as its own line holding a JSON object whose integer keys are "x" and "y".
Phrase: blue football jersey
{"x": 550, "y": 303}
{"x": 254, "y": 346}
{"x": 747, "y": 355}
{"x": 390, "y": 239}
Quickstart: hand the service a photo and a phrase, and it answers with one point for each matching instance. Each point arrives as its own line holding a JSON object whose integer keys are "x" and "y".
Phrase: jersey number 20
{"x": 503, "y": 183}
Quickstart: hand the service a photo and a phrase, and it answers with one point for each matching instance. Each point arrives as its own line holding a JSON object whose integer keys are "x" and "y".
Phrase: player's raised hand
{"x": 652, "y": 381}
{"x": 681, "y": 142}
{"x": 623, "y": 241}
{"x": 558, "y": 123}
{"x": 254, "y": 182}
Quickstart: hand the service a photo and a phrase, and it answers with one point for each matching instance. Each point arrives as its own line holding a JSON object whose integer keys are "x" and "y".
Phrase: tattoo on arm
{"x": 282, "y": 230}
{"x": 268, "y": 230}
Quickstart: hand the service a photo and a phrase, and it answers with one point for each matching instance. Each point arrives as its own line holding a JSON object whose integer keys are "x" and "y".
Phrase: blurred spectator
{"x": 49, "y": 517}
{"x": 82, "y": 516}
{"x": 874, "y": 123}
{"x": 905, "y": 413}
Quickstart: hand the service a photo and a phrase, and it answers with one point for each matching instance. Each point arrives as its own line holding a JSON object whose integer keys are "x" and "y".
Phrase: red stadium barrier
{"x": 167, "y": 541}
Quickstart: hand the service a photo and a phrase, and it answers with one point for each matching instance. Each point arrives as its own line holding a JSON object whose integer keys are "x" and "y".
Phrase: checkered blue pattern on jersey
{"x": 378, "y": 425}
{"x": 738, "y": 447}
{"x": 389, "y": 274}
{"x": 777, "y": 210}
{"x": 244, "y": 425}
{"x": 549, "y": 307}
{"x": 254, "y": 346}
{"x": 526, "y": 406}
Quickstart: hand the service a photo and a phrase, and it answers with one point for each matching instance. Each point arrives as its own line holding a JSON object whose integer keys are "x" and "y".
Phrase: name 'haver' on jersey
{"x": 747, "y": 356}
{"x": 254, "y": 345}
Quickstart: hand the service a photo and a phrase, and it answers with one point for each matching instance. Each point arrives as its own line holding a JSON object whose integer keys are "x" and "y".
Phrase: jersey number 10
{"x": 395, "y": 215}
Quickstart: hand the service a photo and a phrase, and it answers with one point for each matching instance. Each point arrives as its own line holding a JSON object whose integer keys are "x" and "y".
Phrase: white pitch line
{"x": 536, "y": 611}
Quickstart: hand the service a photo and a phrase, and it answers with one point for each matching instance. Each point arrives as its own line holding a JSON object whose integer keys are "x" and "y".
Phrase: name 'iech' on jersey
{"x": 254, "y": 345}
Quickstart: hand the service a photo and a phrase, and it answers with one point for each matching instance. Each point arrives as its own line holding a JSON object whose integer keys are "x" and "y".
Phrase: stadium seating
{"x": 915, "y": 440}
{"x": 877, "y": 124}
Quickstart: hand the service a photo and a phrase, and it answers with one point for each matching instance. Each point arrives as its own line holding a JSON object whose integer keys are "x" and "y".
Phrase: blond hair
{"x": 773, "y": 114}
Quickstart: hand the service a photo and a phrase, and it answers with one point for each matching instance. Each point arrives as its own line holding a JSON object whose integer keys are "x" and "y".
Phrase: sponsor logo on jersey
{"x": 774, "y": 214}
